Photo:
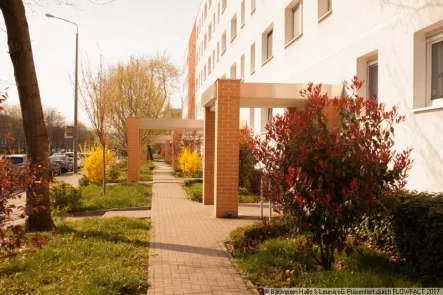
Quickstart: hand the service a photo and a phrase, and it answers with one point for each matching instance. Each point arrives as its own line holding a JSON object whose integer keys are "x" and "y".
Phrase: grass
{"x": 145, "y": 172}
{"x": 244, "y": 196}
{"x": 117, "y": 196}
{"x": 194, "y": 189}
{"x": 284, "y": 262}
{"x": 90, "y": 256}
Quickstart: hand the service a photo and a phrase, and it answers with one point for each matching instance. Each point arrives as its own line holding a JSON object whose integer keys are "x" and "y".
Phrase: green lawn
{"x": 90, "y": 256}
{"x": 194, "y": 189}
{"x": 117, "y": 196}
{"x": 145, "y": 172}
{"x": 285, "y": 262}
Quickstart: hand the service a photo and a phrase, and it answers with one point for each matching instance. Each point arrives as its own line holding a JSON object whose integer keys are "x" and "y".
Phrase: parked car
{"x": 63, "y": 161}
{"x": 17, "y": 160}
{"x": 70, "y": 156}
{"x": 54, "y": 168}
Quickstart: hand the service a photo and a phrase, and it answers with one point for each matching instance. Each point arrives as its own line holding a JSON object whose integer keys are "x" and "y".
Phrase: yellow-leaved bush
{"x": 189, "y": 161}
{"x": 92, "y": 164}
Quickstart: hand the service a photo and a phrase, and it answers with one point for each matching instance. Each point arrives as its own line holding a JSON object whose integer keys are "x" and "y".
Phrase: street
{"x": 68, "y": 177}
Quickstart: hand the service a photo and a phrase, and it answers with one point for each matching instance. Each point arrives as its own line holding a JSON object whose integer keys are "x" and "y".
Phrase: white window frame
{"x": 429, "y": 42}
{"x": 369, "y": 64}
{"x": 321, "y": 17}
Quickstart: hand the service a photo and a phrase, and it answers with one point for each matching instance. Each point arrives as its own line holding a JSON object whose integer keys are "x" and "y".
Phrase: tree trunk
{"x": 20, "y": 50}
{"x": 104, "y": 168}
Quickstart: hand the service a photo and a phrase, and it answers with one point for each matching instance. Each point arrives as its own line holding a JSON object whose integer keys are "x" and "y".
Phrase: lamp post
{"x": 75, "y": 140}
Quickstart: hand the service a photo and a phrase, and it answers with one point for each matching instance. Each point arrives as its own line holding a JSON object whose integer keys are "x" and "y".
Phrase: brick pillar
{"x": 168, "y": 150}
{"x": 133, "y": 149}
{"x": 333, "y": 117}
{"x": 208, "y": 157}
{"x": 176, "y": 139}
{"x": 227, "y": 122}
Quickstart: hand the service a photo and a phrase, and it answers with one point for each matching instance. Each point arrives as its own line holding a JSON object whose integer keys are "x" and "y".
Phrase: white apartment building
{"x": 396, "y": 46}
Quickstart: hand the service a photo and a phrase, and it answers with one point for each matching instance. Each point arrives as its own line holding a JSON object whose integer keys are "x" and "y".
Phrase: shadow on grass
{"x": 102, "y": 235}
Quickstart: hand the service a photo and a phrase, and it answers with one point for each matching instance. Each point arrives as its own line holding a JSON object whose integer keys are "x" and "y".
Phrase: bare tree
{"x": 94, "y": 98}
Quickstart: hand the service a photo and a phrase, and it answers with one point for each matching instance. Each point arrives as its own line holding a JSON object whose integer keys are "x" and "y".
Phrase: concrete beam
{"x": 171, "y": 124}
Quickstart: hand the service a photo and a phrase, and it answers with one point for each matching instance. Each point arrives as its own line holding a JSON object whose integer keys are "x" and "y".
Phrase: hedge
{"x": 413, "y": 229}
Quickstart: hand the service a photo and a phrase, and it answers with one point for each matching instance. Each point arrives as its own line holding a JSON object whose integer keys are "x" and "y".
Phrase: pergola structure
{"x": 222, "y": 102}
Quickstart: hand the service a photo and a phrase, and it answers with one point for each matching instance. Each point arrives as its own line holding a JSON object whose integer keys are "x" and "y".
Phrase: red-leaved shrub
{"x": 325, "y": 174}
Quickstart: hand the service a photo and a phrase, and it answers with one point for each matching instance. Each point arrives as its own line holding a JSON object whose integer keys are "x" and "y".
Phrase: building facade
{"x": 396, "y": 46}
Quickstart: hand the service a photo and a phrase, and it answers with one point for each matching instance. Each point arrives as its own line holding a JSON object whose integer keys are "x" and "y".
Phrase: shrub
{"x": 247, "y": 238}
{"x": 194, "y": 189}
{"x": 189, "y": 161}
{"x": 247, "y": 158}
{"x": 329, "y": 164}
{"x": 113, "y": 172}
{"x": 93, "y": 164}
{"x": 64, "y": 197}
{"x": 412, "y": 228}
{"x": 417, "y": 224}
{"x": 83, "y": 181}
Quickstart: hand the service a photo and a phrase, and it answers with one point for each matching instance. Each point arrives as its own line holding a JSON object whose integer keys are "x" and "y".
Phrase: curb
{"x": 249, "y": 285}
{"x": 103, "y": 212}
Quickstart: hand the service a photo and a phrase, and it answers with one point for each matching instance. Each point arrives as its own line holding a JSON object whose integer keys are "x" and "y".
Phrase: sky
{"x": 117, "y": 31}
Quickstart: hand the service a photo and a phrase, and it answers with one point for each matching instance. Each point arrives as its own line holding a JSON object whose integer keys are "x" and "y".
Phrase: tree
{"x": 140, "y": 88}
{"x": 95, "y": 97}
{"x": 55, "y": 123}
{"x": 20, "y": 50}
{"x": 324, "y": 175}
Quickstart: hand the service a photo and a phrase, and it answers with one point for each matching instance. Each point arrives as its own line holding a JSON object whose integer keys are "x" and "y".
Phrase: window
{"x": 225, "y": 4}
{"x": 242, "y": 67}
{"x": 372, "y": 77}
{"x": 204, "y": 74}
{"x": 210, "y": 31}
{"x": 242, "y": 13}
{"x": 213, "y": 21}
{"x": 206, "y": 10}
{"x": 253, "y": 6}
{"x": 324, "y": 9}
{"x": 293, "y": 21}
{"x": 233, "y": 71}
{"x": 234, "y": 27}
{"x": 267, "y": 40}
{"x": 434, "y": 69}
{"x": 223, "y": 49}
{"x": 213, "y": 58}
{"x": 218, "y": 13}
{"x": 252, "y": 59}
{"x": 218, "y": 51}
{"x": 269, "y": 44}
{"x": 209, "y": 65}
{"x": 210, "y": 2}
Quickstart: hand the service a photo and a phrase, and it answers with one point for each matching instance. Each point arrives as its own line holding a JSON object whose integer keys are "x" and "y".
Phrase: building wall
{"x": 191, "y": 73}
{"x": 333, "y": 50}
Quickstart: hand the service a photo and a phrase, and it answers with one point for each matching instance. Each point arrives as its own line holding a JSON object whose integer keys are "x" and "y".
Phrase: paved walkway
{"x": 186, "y": 257}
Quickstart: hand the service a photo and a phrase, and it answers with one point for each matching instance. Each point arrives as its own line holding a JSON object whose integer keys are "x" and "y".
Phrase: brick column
{"x": 227, "y": 124}
{"x": 333, "y": 117}
{"x": 133, "y": 149}
{"x": 176, "y": 139}
{"x": 168, "y": 150}
{"x": 208, "y": 157}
